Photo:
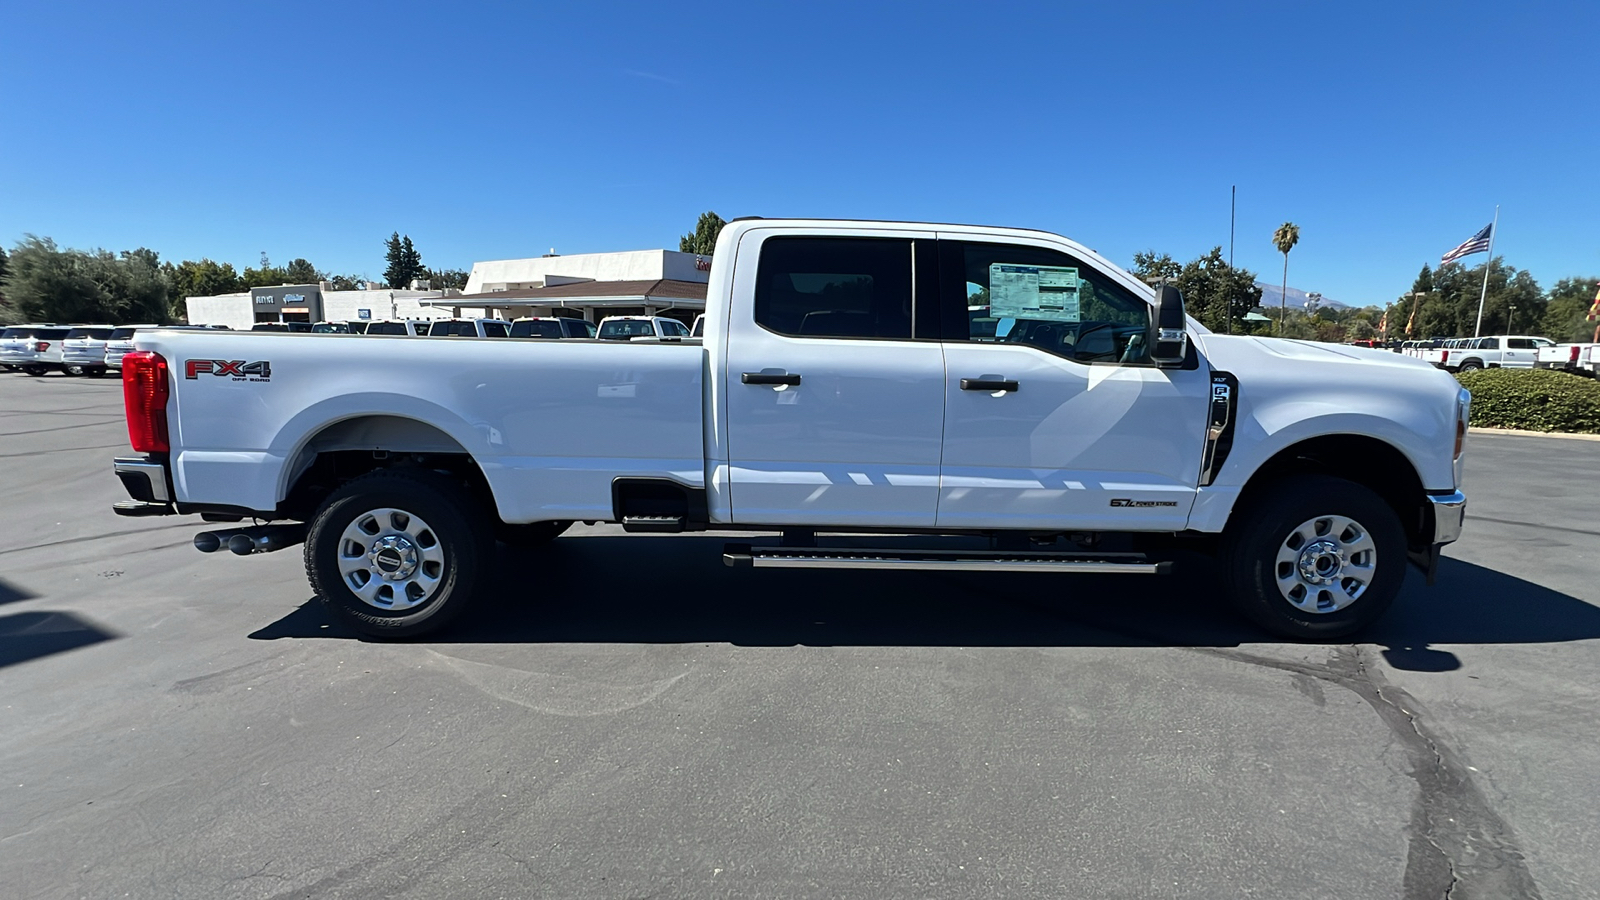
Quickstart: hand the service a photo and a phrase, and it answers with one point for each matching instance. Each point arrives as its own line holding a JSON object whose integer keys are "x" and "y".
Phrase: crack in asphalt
{"x": 1460, "y": 847}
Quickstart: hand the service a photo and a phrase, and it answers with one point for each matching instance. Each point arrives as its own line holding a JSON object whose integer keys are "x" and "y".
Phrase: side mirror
{"x": 1171, "y": 343}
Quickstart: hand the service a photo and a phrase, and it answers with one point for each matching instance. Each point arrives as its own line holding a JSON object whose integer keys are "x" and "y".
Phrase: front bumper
{"x": 1449, "y": 511}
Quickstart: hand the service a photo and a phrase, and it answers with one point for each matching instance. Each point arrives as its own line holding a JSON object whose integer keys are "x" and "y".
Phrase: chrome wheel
{"x": 391, "y": 559}
{"x": 1326, "y": 563}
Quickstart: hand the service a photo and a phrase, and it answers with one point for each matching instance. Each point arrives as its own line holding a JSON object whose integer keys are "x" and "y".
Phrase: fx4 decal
{"x": 238, "y": 369}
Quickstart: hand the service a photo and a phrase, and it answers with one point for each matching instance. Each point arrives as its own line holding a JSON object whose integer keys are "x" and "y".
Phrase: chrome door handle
{"x": 988, "y": 384}
{"x": 769, "y": 378}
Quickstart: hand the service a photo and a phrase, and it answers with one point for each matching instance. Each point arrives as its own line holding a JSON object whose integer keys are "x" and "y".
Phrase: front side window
{"x": 835, "y": 287}
{"x": 1009, "y": 294}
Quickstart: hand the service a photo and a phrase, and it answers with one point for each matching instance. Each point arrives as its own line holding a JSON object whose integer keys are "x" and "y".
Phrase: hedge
{"x": 1533, "y": 400}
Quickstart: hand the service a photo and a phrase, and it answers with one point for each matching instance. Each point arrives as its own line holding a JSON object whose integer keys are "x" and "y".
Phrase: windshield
{"x": 387, "y": 328}
{"x": 51, "y": 334}
{"x": 98, "y": 334}
{"x": 16, "y": 333}
{"x": 122, "y": 334}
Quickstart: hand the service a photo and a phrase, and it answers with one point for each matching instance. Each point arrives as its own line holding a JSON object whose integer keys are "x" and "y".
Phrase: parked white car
{"x": 468, "y": 328}
{"x": 551, "y": 327}
{"x": 632, "y": 328}
{"x": 83, "y": 352}
{"x": 16, "y": 345}
{"x": 42, "y": 350}
{"x": 120, "y": 344}
{"x": 845, "y": 389}
{"x": 1577, "y": 358}
{"x": 1501, "y": 351}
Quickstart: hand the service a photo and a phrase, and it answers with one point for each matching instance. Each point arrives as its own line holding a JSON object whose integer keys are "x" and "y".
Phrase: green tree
{"x": 203, "y": 279}
{"x": 1567, "y": 309}
{"x": 1285, "y": 238}
{"x": 1151, "y": 267}
{"x": 404, "y": 262}
{"x": 300, "y": 271}
{"x": 8, "y": 313}
{"x": 1513, "y": 296}
{"x": 48, "y": 283}
{"x": 703, "y": 240}
{"x": 439, "y": 279}
{"x": 343, "y": 282}
{"x": 1214, "y": 292}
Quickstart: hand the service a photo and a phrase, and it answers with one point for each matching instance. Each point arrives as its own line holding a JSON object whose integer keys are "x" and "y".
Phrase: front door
{"x": 834, "y": 410}
{"x": 1054, "y": 416}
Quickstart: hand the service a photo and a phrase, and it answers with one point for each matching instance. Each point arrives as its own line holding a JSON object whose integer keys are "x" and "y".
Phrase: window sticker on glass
{"x": 1033, "y": 292}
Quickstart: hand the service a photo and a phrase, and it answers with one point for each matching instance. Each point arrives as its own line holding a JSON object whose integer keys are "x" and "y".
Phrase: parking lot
{"x": 627, "y": 717}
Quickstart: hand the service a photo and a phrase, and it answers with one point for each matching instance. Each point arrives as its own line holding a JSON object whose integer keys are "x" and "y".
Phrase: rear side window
{"x": 541, "y": 328}
{"x": 674, "y": 328}
{"x": 835, "y": 287}
{"x": 623, "y": 329}
{"x": 494, "y": 329}
{"x": 1520, "y": 344}
{"x": 122, "y": 334}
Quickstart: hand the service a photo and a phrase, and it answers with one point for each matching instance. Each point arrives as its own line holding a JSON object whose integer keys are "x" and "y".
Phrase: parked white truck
{"x": 855, "y": 377}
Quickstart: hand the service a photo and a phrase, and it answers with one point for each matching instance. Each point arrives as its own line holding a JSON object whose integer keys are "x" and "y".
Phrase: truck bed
{"x": 551, "y": 423}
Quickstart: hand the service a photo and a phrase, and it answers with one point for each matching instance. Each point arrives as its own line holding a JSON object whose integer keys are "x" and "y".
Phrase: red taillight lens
{"x": 1574, "y": 356}
{"x": 1444, "y": 358}
{"x": 144, "y": 399}
{"x": 41, "y": 346}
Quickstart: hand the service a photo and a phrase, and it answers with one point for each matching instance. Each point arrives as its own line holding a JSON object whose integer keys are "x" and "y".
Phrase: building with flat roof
{"x": 588, "y": 285}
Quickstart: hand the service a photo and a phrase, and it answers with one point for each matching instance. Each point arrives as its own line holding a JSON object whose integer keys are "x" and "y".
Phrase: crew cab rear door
{"x": 835, "y": 405}
{"x": 1055, "y": 418}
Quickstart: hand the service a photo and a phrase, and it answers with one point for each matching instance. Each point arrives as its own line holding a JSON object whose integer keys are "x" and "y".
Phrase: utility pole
{"x": 1233, "y": 210}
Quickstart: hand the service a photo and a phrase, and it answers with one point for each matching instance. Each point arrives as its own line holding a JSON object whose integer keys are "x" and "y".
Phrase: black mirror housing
{"x": 1171, "y": 342}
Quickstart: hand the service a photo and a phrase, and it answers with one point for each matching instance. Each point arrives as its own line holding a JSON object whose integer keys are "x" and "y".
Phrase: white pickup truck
{"x": 1499, "y": 351}
{"x": 1010, "y": 396}
{"x": 1579, "y": 359}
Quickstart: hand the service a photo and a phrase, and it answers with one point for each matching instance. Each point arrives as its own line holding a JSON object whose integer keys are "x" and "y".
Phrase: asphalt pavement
{"x": 625, "y": 717}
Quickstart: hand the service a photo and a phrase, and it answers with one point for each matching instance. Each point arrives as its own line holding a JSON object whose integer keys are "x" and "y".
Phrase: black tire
{"x": 1471, "y": 365}
{"x": 1253, "y": 575}
{"x": 95, "y": 371}
{"x": 533, "y": 534}
{"x": 35, "y": 371}
{"x": 453, "y": 517}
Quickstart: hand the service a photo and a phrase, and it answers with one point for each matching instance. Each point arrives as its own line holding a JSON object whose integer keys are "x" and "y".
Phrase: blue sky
{"x": 1387, "y": 131}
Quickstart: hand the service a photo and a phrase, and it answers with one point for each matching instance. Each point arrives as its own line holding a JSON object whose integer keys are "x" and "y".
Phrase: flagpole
{"x": 1493, "y": 227}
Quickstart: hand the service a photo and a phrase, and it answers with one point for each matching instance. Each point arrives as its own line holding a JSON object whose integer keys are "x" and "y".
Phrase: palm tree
{"x": 1287, "y": 235}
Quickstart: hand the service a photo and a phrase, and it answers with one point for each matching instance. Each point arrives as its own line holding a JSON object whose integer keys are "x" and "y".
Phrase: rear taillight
{"x": 144, "y": 399}
{"x": 1444, "y": 357}
{"x": 1574, "y": 356}
{"x": 41, "y": 346}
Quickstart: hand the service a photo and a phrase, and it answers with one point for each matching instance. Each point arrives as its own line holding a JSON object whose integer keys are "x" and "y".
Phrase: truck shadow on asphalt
{"x": 669, "y": 590}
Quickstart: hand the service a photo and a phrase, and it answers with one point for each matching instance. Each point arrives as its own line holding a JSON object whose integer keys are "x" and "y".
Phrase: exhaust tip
{"x": 242, "y": 544}
{"x": 208, "y": 542}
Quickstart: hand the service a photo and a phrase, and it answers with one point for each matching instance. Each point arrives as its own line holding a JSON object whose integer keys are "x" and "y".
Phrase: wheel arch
{"x": 1366, "y": 460}
{"x": 349, "y": 446}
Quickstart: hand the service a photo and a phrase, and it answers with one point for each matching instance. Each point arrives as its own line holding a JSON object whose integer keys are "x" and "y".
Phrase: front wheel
{"x": 397, "y": 553}
{"x": 1315, "y": 558}
{"x": 95, "y": 371}
{"x": 35, "y": 371}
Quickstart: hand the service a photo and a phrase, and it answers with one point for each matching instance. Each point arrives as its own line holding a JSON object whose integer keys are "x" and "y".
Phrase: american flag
{"x": 1478, "y": 243}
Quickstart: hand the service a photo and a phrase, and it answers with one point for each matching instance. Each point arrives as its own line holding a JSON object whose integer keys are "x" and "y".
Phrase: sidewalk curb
{"x": 1544, "y": 434}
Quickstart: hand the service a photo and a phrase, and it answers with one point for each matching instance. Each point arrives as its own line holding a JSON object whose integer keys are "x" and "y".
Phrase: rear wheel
{"x": 1471, "y": 365}
{"x": 35, "y": 371}
{"x": 1315, "y": 558}
{"x": 397, "y": 553}
{"x": 95, "y": 371}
